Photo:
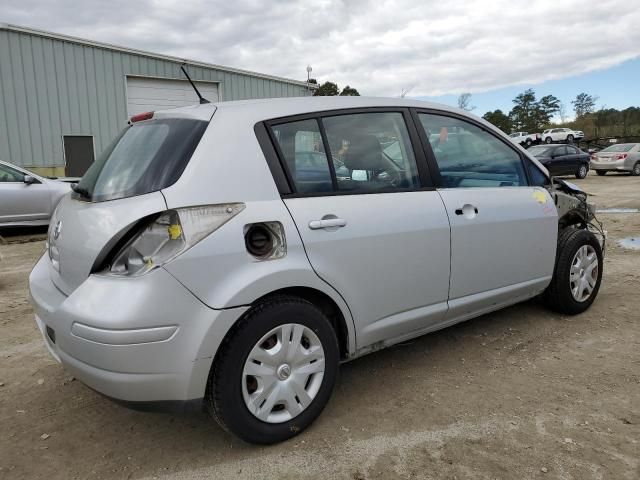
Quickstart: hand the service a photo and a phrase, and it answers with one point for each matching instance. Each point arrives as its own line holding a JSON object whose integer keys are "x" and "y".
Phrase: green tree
{"x": 584, "y": 103}
{"x": 545, "y": 109}
{"x": 499, "y": 119}
{"x": 464, "y": 102}
{"x": 349, "y": 92}
{"x": 327, "y": 89}
{"x": 523, "y": 114}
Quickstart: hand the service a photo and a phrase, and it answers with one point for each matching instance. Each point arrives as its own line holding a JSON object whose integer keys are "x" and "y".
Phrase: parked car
{"x": 623, "y": 157}
{"x": 193, "y": 265}
{"x": 562, "y": 159}
{"x": 561, "y": 135}
{"x": 526, "y": 139}
{"x": 27, "y": 199}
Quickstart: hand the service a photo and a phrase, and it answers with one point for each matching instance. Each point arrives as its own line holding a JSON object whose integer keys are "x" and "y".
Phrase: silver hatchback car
{"x": 231, "y": 255}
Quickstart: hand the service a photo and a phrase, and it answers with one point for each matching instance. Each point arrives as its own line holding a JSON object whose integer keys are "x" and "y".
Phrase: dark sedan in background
{"x": 562, "y": 159}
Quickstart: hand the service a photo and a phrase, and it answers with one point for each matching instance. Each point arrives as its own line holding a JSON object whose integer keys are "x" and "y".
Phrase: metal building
{"x": 63, "y": 99}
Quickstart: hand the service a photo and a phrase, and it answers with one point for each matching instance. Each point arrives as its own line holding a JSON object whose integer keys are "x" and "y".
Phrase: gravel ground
{"x": 521, "y": 393}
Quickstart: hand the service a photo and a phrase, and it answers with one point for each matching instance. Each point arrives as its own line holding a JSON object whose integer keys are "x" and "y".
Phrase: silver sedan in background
{"x": 27, "y": 199}
{"x": 623, "y": 157}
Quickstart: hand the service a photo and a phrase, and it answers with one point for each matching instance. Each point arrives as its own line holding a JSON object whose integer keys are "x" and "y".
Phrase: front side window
{"x": 469, "y": 156}
{"x": 8, "y": 175}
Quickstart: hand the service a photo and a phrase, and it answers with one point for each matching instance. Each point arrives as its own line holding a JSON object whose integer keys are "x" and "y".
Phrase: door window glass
{"x": 8, "y": 174}
{"x": 303, "y": 151}
{"x": 371, "y": 151}
{"x": 560, "y": 151}
{"x": 468, "y": 156}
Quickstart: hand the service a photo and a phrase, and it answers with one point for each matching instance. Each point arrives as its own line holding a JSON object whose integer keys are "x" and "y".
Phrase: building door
{"x": 149, "y": 94}
{"x": 78, "y": 154}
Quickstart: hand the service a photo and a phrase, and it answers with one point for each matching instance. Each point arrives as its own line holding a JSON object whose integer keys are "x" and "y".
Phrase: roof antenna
{"x": 202, "y": 99}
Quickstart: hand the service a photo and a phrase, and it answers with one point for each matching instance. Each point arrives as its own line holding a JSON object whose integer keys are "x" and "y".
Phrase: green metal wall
{"x": 51, "y": 87}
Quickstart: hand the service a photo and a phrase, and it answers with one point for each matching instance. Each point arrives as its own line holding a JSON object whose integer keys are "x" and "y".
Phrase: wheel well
{"x": 325, "y": 303}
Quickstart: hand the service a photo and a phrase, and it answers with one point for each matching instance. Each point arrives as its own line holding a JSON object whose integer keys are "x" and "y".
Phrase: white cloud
{"x": 379, "y": 47}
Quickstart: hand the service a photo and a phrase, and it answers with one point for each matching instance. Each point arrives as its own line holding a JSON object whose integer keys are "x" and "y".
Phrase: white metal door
{"x": 150, "y": 94}
{"x": 387, "y": 254}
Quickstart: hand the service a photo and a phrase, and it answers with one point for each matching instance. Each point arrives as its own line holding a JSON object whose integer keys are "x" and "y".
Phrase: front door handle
{"x": 327, "y": 223}
{"x": 467, "y": 210}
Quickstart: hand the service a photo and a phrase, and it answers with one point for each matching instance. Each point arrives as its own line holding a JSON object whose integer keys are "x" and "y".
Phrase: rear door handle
{"x": 327, "y": 223}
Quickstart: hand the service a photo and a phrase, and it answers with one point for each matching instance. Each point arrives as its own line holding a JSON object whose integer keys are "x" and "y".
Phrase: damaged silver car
{"x": 232, "y": 255}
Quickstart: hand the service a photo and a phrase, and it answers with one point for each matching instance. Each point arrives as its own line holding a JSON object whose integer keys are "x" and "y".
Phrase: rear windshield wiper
{"x": 83, "y": 192}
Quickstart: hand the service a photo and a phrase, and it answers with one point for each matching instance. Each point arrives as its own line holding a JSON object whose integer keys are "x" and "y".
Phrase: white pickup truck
{"x": 526, "y": 139}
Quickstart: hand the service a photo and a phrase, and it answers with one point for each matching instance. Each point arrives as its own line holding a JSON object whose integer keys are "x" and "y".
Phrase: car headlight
{"x": 171, "y": 233}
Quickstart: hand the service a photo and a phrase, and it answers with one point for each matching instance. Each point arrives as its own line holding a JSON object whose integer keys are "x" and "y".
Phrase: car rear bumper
{"x": 136, "y": 340}
{"x": 608, "y": 165}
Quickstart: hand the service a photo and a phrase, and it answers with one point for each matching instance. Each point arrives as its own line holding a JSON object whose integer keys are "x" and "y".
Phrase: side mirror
{"x": 28, "y": 179}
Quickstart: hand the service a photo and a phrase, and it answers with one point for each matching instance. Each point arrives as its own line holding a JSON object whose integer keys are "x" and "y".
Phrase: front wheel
{"x": 275, "y": 371}
{"x": 602, "y": 173}
{"x": 529, "y": 142}
{"x": 569, "y": 138}
{"x": 636, "y": 170}
{"x": 582, "y": 171}
{"x": 578, "y": 272}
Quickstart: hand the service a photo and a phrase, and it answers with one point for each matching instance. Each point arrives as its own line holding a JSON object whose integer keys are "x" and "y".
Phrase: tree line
{"x": 534, "y": 115}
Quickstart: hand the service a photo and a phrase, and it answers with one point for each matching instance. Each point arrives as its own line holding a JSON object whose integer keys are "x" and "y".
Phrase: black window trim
{"x": 431, "y": 158}
{"x": 280, "y": 170}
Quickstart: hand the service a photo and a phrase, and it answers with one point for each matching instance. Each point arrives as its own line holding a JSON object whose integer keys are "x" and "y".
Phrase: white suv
{"x": 561, "y": 135}
{"x": 232, "y": 255}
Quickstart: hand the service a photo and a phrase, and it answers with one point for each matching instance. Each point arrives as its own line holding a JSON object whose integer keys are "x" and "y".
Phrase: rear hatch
{"x": 120, "y": 189}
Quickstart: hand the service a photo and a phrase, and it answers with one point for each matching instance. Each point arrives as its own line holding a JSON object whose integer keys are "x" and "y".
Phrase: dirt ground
{"x": 521, "y": 393}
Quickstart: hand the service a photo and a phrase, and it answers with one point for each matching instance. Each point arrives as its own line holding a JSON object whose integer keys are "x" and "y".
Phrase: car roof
{"x": 280, "y": 107}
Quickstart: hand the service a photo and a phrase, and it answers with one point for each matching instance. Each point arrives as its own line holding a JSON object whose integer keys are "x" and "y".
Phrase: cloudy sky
{"x": 435, "y": 48}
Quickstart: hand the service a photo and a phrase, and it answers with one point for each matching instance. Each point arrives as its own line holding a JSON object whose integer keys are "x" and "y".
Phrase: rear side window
{"x": 363, "y": 152}
{"x": 146, "y": 157}
{"x": 371, "y": 151}
{"x": 8, "y": 175}
{"x": 303, "y": 151}
{"x": 468, "y": 156}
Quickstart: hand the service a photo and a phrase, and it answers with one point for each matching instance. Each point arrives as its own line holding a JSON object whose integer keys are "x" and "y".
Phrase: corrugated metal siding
{"x": 51, "y": 87}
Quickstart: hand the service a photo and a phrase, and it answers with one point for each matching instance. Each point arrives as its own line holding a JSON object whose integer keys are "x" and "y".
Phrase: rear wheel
{"x": 578, "y": 272}
{"x": 529, "y": 142}
{"x": 548, "y": 140}
{"x": 274, "y": 372}
{"x": 636, "y": 169}
{"x": 602, "y": 173}
{"x": 582, "y": 171}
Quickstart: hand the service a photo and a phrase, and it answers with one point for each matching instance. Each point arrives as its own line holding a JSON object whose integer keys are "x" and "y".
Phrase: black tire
{"x": 602, "y": 173}
{"x": 224, "y": 397}
{"x": 529, "y": 142}
{"x": 582, "y": 171}
{"x": 558, "y": 294}
{"x": 569, "y": 138}
{"x": 548, "y": 140}
{"x": 636, "y": 170}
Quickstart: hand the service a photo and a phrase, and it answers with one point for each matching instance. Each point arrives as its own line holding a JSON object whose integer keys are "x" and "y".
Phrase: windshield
{"x": 624, "y": 147}
{"x": 146, "y": 157}
{"x": 540, "y": 151}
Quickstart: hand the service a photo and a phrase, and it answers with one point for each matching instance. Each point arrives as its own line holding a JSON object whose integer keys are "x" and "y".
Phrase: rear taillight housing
{"x": 594, "y": 157}
{"x": 168, "y": 235}
{"x": 620, "y": 156}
